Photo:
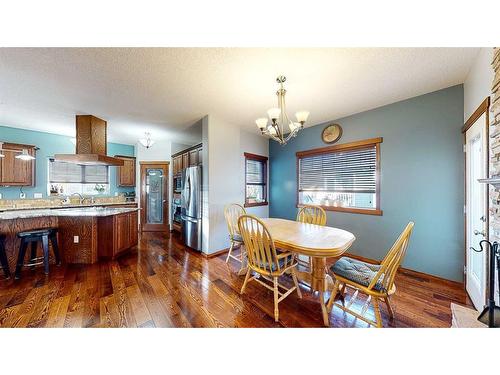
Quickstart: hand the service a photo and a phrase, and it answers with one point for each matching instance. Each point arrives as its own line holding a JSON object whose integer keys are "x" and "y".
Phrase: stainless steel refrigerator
{"x": 191, "y": 207}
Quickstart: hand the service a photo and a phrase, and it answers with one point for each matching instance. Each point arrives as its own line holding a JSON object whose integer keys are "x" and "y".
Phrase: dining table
{"x": 315, "y": 241}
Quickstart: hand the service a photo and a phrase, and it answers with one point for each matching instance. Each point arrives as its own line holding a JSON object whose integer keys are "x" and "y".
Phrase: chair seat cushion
{"x": 357, "y": 271}
{"x": 237, "y": 237}
{"x": 286, "y": 260}
{"x": 36, "y": 232}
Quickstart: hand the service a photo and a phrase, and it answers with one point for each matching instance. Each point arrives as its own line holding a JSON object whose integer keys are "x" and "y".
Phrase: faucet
{"x": 81, "y": 197}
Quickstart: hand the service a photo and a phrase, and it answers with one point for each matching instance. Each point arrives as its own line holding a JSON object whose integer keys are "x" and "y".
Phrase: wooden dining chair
{"x": 265, "y": 261}
{"x": 375, "y": 280}
{"x": 232, "y": 212}
{"x": 309, "y": 214}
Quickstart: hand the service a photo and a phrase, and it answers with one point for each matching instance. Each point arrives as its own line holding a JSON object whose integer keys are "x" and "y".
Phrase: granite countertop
{"x": 65, "y": 206}
{"x": 81, "y": 211}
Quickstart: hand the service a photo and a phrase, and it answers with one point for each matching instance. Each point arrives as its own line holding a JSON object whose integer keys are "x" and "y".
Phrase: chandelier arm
{"x": 290, "y": 136}
{"x": 280, "y": 106}
{"x": 286, "y": 115}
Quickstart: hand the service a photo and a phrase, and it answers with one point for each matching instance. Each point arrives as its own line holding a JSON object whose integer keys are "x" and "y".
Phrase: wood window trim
{"x": 264, "y": 160}
{"x": 483, "y": 108}
{"x": 366, "y": 143}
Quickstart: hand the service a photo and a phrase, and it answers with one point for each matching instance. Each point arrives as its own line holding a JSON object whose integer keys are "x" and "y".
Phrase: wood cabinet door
{"x": 178, "y": 164}
{"x": 193, "y": 158}
{"x": 126, "y": 173}
{"x": 200, "y": 157}
{"x": 133, "y": 228}
{"x": 15, "y": 171}
{"x": 185, "y": 160}
{"x": 122, "y": 232}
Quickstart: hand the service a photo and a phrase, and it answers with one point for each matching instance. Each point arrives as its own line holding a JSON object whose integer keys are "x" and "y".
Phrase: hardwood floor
{"x": 162, "y": 284}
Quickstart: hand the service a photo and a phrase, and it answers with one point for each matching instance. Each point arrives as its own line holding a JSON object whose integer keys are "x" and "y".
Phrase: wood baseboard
{"x": 406, "y": 271}
{"x": 409, "y": 272}
{"x": 216, "y": 254}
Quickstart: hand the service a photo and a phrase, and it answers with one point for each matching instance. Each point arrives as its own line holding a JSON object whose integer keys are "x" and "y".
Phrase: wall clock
{"x": 331, "y": 133}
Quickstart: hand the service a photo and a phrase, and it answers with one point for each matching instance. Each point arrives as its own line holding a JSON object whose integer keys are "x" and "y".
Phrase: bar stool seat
{"x": 34, "y": 236}
{"x": 4, "y": 264}
{"x": 36, "y": 233}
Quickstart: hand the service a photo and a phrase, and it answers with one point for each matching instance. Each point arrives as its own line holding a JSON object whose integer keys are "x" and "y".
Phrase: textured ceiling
{"x": 165, "y": 90}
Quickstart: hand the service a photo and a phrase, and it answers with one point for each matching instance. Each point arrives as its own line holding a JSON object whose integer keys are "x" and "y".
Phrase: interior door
{"x": 154, "y": 197}
{"x": 476, "y": 159}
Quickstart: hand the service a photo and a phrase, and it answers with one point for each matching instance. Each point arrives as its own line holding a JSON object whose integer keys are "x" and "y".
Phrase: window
{"x": 342, "y": 177}
{"x": 255, "y": 180}
{"x": 69, "y": 178}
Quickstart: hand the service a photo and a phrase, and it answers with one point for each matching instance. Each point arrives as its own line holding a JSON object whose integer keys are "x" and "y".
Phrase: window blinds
{"x": 350, "y": 171}
{"x": 61, "y": 172}
{"x": 254, "y": 172}
{"x": 97, "y": 174}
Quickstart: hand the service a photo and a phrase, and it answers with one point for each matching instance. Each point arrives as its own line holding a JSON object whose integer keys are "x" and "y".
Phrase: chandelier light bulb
{"x": 261, "y": 123}
{"x": 302, "y": 116}
{"x": 274, "y": 113}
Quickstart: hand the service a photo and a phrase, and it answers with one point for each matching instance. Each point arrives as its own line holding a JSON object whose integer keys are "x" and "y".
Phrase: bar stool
{"x": 3, "y": 257}
{"x": 34, "y": 236}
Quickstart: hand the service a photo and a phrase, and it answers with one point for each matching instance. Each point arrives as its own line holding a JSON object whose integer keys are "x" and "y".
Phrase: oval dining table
{"x": 316, "y": 241}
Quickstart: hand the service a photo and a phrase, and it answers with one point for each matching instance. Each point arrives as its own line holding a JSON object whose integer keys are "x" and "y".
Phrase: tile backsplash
{"x": 54, "y": 202}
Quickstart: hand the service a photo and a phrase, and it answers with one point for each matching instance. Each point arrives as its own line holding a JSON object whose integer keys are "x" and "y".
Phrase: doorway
{"x": 154, "y": 196}
{"x": 476, "y": 203}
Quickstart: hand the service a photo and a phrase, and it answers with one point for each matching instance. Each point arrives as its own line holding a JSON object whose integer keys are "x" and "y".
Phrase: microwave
{"x": 177, "y": 183}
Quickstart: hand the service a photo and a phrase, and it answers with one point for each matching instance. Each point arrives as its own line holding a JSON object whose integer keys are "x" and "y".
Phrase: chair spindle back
{"x": 232, "y": 213}
{"x": 312, "y": 215}
{"x": 393, "y": 259}
{"x": 261, "y": 252}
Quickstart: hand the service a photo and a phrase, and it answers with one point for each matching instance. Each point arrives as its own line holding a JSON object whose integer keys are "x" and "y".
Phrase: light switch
{"x": 76, "y": 239}
{"x": 37, "y": 195}
{"x": 0, "y": 195}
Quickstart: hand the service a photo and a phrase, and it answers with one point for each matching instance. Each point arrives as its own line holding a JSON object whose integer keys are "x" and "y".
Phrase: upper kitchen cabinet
{"x": 176, "y": 164}
{"x": 186, "y": 158}
{"x": 193, "y": 157}
{"x": 126, "y": 173}
{"x": 15, "y": 170}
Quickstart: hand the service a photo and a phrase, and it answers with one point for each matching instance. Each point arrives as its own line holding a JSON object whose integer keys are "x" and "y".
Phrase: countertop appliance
{"x": 129, "y": 196}
{"x": 191, "y": 207}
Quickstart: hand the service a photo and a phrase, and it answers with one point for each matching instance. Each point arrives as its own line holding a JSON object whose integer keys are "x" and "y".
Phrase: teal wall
{"x": 49, "y": 145}
{"x": 421, "y": 180}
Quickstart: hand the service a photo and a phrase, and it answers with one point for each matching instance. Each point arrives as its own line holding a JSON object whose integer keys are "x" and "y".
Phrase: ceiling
{"x": 166, "y": 90}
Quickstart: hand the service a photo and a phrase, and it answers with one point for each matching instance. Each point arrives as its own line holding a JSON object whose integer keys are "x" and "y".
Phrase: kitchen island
{"x": 84, "y": 234}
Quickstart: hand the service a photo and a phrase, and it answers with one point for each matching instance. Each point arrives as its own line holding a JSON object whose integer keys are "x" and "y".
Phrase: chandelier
{"x": 281, "y": 129}
{"x": 147, "y": 141}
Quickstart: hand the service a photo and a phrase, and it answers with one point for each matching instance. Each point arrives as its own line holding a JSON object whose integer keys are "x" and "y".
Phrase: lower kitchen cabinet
{"x": 117, "y": 234}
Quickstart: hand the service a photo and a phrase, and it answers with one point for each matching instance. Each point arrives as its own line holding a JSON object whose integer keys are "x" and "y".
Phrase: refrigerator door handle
{"x": 188, "y": 191}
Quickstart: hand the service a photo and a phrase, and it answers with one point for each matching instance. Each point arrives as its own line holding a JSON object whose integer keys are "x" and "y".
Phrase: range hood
{"x": 91, "y": 143}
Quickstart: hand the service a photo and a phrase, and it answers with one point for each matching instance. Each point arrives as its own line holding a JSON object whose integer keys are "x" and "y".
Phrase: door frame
{"x": 482, "y": 109}
{"x": 154, "y": 227}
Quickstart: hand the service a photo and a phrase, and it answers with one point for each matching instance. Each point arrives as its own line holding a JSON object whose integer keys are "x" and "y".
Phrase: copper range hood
{"x": 91, "y": 143}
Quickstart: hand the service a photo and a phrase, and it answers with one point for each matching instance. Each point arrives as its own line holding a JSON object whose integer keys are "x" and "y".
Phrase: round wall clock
{"x": 331, "y": 133}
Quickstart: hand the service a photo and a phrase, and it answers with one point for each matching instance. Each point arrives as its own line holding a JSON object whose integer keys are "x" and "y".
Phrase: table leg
{"x": 319, "y": 282}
